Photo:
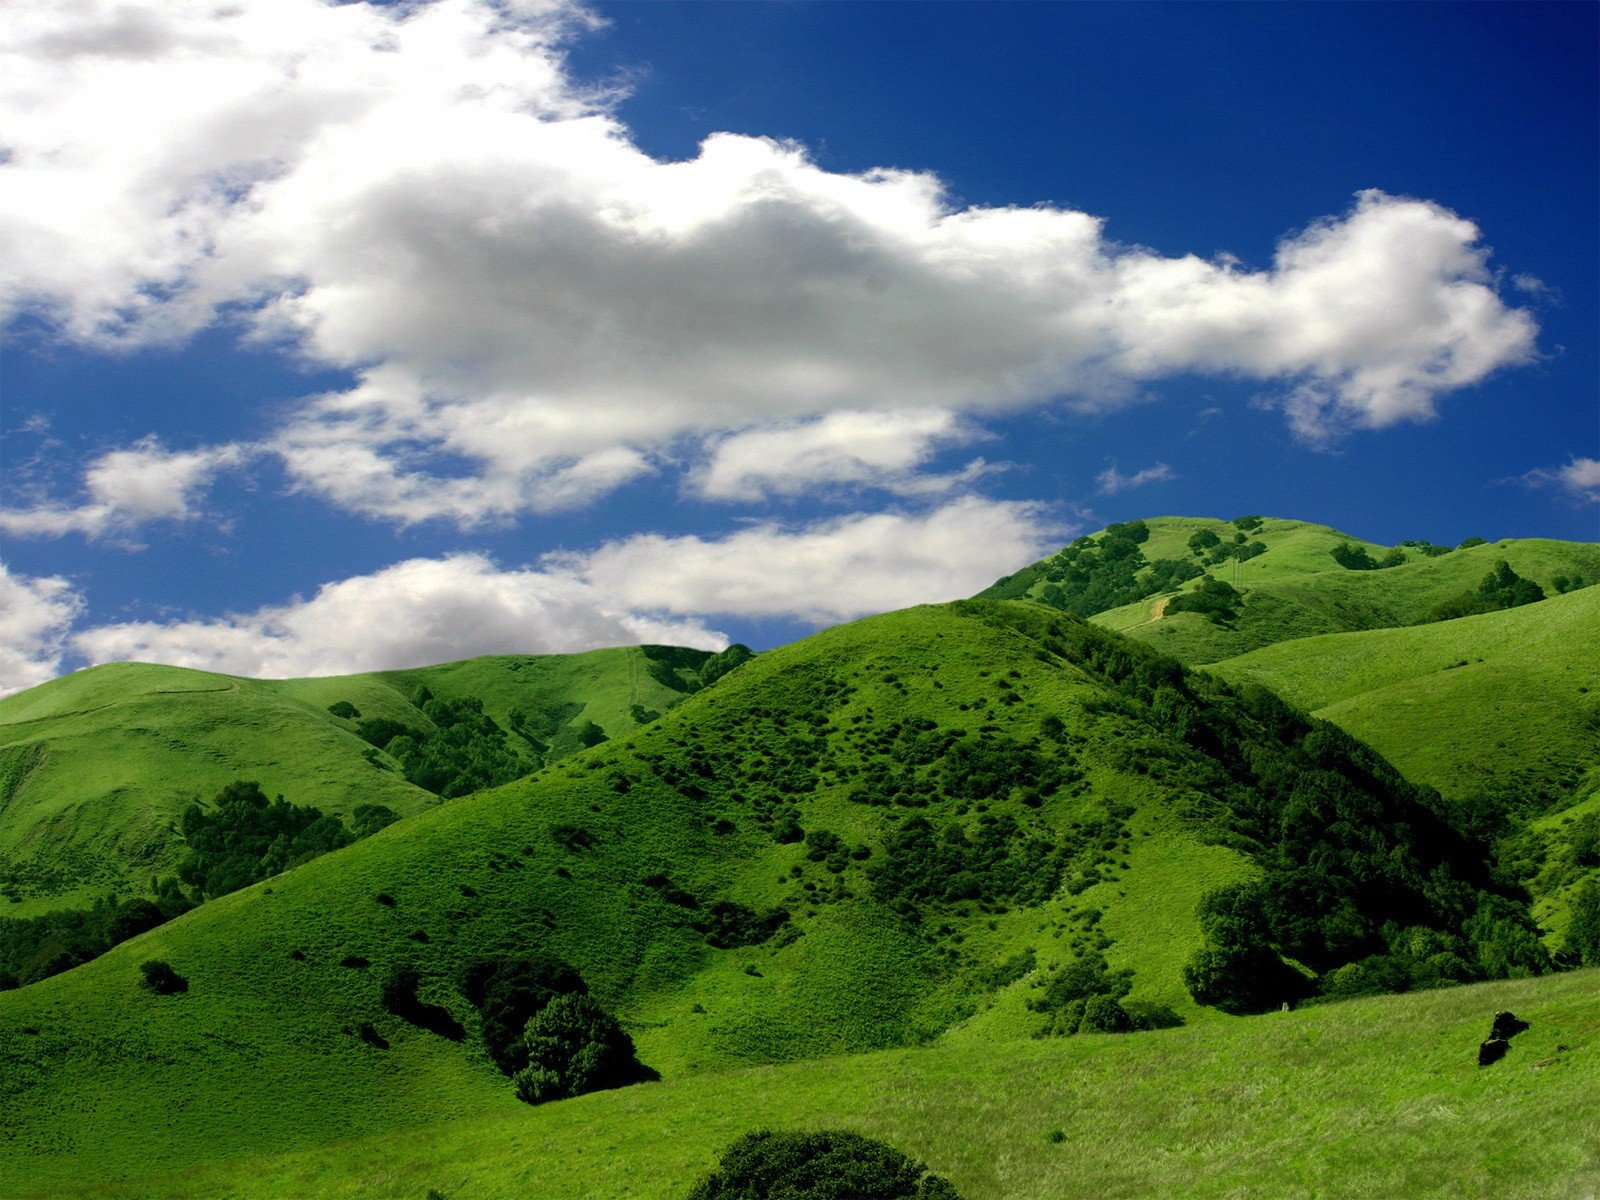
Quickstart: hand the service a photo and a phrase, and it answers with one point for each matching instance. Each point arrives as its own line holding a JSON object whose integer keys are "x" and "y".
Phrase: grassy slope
{"x": 1296, "y": 590}
{"x": 119, "y": 1083}
{"x": 1369, "y": 1098}
{"x": 1507, "y": 702}
{"x": 94, "y": 767}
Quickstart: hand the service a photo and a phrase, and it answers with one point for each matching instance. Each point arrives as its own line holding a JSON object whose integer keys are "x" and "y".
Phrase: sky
{"x": 346, "y": 337}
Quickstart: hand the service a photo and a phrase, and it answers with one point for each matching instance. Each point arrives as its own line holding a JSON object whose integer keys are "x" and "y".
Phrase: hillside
{"x": 96, "y": 766}
{"x": 1389, "y": 1086}
{"x": 1290, "y": 583}
{"x": 1503, "y": 707}
{"x": 935, "y": 818}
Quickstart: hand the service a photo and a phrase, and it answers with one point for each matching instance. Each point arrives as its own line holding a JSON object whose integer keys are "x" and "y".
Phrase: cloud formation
{"x": 1111, "y": 481}
{"x": 35, "y": 615}
{"x": 127, "y": 488}
{"x": 1579, "y": 478}
{"x": 414, "y": 612}
{"x": 539, "y": 312}
{"x": 641, "y": 589}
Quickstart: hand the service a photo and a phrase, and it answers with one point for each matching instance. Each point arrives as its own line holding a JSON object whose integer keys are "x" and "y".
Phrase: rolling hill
{"x": 1292, "y": 586}
{"x": 1498, "y": 710}
{"x": 95, "y": 767}
{"x": 959, "y": 822}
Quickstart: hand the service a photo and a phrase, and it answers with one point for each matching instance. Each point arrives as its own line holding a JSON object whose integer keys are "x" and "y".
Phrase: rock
{"x": 1507, "y": 1025}
{"x": 1492, "y": 1051}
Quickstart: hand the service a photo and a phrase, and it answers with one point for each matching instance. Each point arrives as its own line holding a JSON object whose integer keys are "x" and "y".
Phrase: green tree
{"x": 1583, "y": 932}
{"x": 826, "y": 1165}
{"x": 573, "y": 1046}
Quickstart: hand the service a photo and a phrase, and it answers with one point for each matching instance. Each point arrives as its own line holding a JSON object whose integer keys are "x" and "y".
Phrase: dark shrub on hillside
{"x": 573, "y": 1046}
{"x": 344, "y": 710}
{"x": 464, "y": 752}
{"x": 399, "y": 996}
{"x": 1469, "y": 543}
{"x": 367, "y": 819}
{"x": 1501, "y": 588}
{"x": 1237, "y": 969}
{"x": 1086, "y": 996}
{"x": 380, "y": 731}
{"x": 507, "y": 992}
{"x": 995, "y": 862}
{"x": 1583, "y": 930}
{"x": 726, "y": 924}
{"x": 827, "y": 1165}
{"x": 1353, "y": 558}
{"x": 1248, "y": 524}
{"x": 1204, "y": 540}
{"x": 161, "y": 979}
{"x": 1214, "y": 598}
{"x": 243, "y": 838}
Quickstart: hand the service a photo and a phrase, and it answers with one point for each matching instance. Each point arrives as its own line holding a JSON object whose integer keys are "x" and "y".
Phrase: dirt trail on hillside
{"x": 1157, "y": 611}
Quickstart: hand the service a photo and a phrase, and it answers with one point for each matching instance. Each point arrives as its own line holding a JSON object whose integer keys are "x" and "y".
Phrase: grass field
{"x": 1370, "y": 1098}
{"x": 95, "y": 767}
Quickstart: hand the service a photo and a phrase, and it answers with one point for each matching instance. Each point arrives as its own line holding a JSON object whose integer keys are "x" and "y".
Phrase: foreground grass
{"x": 1373, "y": 1098}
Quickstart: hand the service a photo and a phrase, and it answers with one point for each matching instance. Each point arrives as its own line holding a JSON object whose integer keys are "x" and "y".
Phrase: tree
{"x": 573, "y": 1046}
{"x": 826, "y": 1165}
{"x": 1203, "y": 541}
{"x": 1583, "y": 931}
{"x": 161, "y": 979}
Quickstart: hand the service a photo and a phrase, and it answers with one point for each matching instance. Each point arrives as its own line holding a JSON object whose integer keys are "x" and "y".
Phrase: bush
{"x": 1353, "y": 558}
{"x": 1583, "y": 930}
{"x": 1501, "y": 588}
{"x": 161, "y": 979}
{"x": 827, "y": 1165}
{"x": 573, "y": 1046}
{"x": 508, "y": 992}
{"x": 344, "y": 710}
{"x": 1203, "y": 541}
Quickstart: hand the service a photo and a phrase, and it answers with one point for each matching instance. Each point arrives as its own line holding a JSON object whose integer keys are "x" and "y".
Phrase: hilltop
{"x": 964, "y": 821}
{"x": 1290, "y": 583}
{"x": 96, "y": 767}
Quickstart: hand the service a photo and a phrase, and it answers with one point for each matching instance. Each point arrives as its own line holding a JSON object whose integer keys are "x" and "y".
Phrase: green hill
{"x": 1504, "y": 706}
{"x": 1377, "y": 1097}
{"x": 1290, "y": 583}
{"x": 958, "y": 821}
{"x": 96, "y": 767}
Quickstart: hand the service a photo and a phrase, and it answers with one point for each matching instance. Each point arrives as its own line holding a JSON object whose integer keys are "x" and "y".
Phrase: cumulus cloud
{"x": 35, "y": 615}
{"x": 878, "y": 449}
{"x": 1111, "y": 481}
{"x": 641, "y": 589}
{"x": 127, "y": 488}
{"x": 537, "y": 310}
{"x": 415, "y": 612}
{"x": 830, "y": 571}
{"x": 1579, "y": 478}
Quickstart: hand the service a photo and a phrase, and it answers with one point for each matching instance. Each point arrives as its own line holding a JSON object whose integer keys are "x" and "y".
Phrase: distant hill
{"x": 959, "y": 821}
{"x": 95, "y": 767}
{"x": 1291, "y": 584}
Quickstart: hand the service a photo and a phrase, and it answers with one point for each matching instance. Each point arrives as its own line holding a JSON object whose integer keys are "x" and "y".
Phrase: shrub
{"x": 508, "y": 992}
{"x": 573, "y": 1046}
{"x": 344, "y": 710}
{"x": 1353, "y": 558}
{"x": 1248, "y": 524}
{"x": 1583, "y": 930}
{"x": 1501, "y": 588}
{"x": 161, "y": 979}
{"x": 1203, "y": 541}
{"x": 826, "y": 1165}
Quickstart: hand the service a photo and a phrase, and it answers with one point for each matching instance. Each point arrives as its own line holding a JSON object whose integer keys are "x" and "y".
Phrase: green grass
{"x": 118, "y": 1082}
{"x": 1372, "y": 1098}
{"x": 96, "y": 767}
{"x": 1296, "y": 590}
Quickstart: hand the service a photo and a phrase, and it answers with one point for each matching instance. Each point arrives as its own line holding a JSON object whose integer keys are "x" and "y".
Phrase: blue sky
{"x": 316, "y": 372}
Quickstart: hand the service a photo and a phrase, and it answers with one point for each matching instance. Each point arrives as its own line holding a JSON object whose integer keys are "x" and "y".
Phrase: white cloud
{"x": 35, "y": 614}
{"x": 127, "y": 488}
{"x": 1579, "y": 478}
{"x": 414, "y": 612}
{"x": 831, "y": 571}
{"x": 1112, "y": 481}
{"x": 877, "y": 449}
{"x": 641, "y": 589}
{"x": 538, "y": 309}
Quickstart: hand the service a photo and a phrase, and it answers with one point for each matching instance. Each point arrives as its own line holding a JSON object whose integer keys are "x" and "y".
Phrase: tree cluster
{"x": 1501, "y": 588}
